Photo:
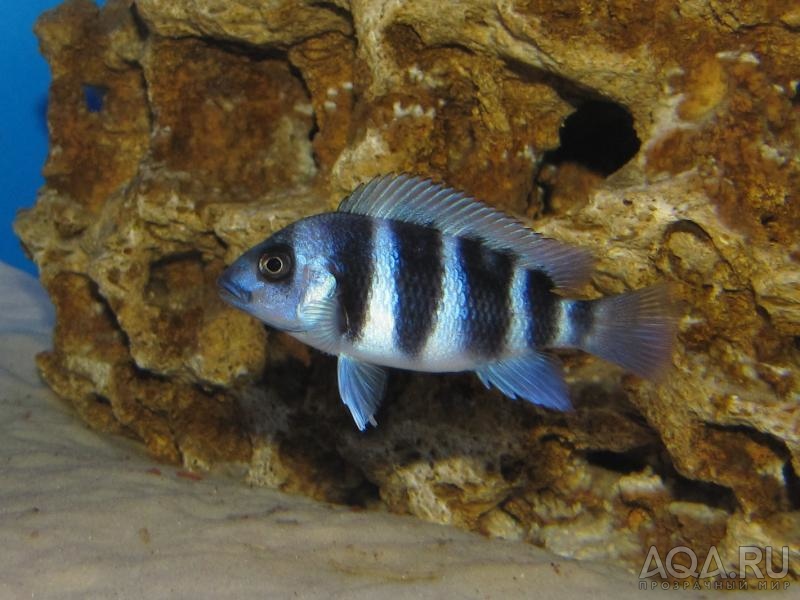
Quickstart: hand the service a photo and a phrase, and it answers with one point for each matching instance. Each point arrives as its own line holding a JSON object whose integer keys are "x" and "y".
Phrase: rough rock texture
{"x": 183, "y": 132}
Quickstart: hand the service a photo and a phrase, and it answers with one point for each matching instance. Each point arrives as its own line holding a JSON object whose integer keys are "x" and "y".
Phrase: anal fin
{"x": 361, "y": 386}
{"x": 535, "y": 377}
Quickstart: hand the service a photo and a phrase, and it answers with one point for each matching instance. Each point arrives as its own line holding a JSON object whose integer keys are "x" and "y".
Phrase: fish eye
{"x": 275, "y": 264}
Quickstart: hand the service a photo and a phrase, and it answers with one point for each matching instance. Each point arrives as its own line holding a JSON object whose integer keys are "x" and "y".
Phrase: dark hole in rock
{"x": 253, "y": 53}
{"x": 792, "y": 485}
{"x": 511, "y": 467}
{"x": 101, "y": 400}
{"x": 599, "y": 135}
{"x": 337, "y": 10}
{"x": 687, "y": 226}
{"x": 366, "y": 495}
{"x": 767, "y": 218}
{"x": 551, "y": 437}
{"x": 312, "y": 133}
{"x": 680, "y": 488}
{"x": 797, "y": 341}
{"x": 712, "y": 494}
{"x": 761, "y": 312}
{"x": 625, "y": 463}
{"x": 109, "y": 313}
{"x": 94, "y": 96}
{"x": 141, "y": 27}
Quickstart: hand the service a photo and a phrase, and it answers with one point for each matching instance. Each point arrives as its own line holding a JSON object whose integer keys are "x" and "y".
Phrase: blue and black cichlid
{"x": 414, "y": 275}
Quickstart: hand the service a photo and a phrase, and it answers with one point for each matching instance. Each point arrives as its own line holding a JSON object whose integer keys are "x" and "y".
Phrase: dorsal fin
{"x": 423, "y": 202}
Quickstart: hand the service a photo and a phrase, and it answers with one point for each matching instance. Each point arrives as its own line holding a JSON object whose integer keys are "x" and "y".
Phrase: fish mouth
{"x": 233, "y": 293}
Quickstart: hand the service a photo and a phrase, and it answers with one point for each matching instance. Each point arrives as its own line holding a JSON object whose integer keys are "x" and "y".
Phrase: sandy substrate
{"x": 86, "y": 516}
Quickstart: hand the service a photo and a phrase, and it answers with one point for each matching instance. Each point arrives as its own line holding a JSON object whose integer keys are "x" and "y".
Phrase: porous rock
{"x": 663, "y": 136}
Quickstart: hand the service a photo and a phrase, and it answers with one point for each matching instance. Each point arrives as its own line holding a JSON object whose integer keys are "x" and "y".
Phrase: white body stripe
{"x": 516, "y": 341}
{"x": 563, "y": 337}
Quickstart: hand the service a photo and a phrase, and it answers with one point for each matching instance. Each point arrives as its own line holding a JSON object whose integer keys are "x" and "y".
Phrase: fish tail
{"x": 635, "y": 330}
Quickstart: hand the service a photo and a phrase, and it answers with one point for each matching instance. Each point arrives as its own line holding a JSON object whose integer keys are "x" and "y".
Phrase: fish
{"x": 411, "y": 274}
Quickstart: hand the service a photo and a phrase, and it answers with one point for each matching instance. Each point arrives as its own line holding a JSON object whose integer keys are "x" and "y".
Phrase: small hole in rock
{"x": 599, "y": 135}
{"x": 764, "y": 314}
{"x": 366, "y": 495}
{"x": 312, "y": 133}
{"x": 511, "y": 468}
{"x": 792, "y": 485}
{"x": 102, "y": 400}
{"x": 141, "y": 26}
{"x": 768, "y": 218}
{"x": 619, "y": 462}
{"x": 687, "y": 226}
{"x": 94, "y": 96}
{"x": 705, "y": 492}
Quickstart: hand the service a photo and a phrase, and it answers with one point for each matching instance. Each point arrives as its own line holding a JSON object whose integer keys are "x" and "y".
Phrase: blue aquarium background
{"x": 23, "y": 128}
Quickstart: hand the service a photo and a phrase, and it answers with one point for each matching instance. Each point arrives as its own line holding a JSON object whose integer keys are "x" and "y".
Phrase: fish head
{"x": 268, "y": 281}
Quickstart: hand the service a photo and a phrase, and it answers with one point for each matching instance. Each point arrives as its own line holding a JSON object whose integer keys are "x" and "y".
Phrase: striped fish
{"x": 414, "y": 275}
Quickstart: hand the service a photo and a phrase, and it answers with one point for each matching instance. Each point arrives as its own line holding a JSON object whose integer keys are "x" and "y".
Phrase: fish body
{"x": 413, "y": 275}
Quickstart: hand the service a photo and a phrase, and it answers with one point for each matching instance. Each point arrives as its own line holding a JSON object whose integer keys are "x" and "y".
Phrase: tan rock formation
{"x": 219, "y": 122}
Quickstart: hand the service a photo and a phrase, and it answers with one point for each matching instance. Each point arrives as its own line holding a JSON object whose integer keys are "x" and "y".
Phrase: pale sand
{"x": 82, "y": 515}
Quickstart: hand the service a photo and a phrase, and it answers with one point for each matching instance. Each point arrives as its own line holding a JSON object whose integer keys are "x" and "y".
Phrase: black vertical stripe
{"x": 581, "y": 319}
{"x": 488, "y": 275}
{"x": 418, "y": 272}
{"x": 541, "y": 307}
{"x": 351, "y": 259}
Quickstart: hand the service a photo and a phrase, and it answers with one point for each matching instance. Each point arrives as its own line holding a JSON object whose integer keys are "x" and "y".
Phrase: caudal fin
{"x": 635, "y": 330}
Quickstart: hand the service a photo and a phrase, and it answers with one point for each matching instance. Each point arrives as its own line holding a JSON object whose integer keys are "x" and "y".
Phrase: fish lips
{"x": 232, "y": 293}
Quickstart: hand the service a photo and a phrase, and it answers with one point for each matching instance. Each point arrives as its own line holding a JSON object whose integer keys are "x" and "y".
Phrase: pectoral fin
{"x": 536, "y": 377}
{"x": 361, "y": 386}
{"x": 318, "y": 311}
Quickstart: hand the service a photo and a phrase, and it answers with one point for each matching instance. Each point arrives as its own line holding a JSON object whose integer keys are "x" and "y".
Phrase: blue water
{"x": 23, "y": 127}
